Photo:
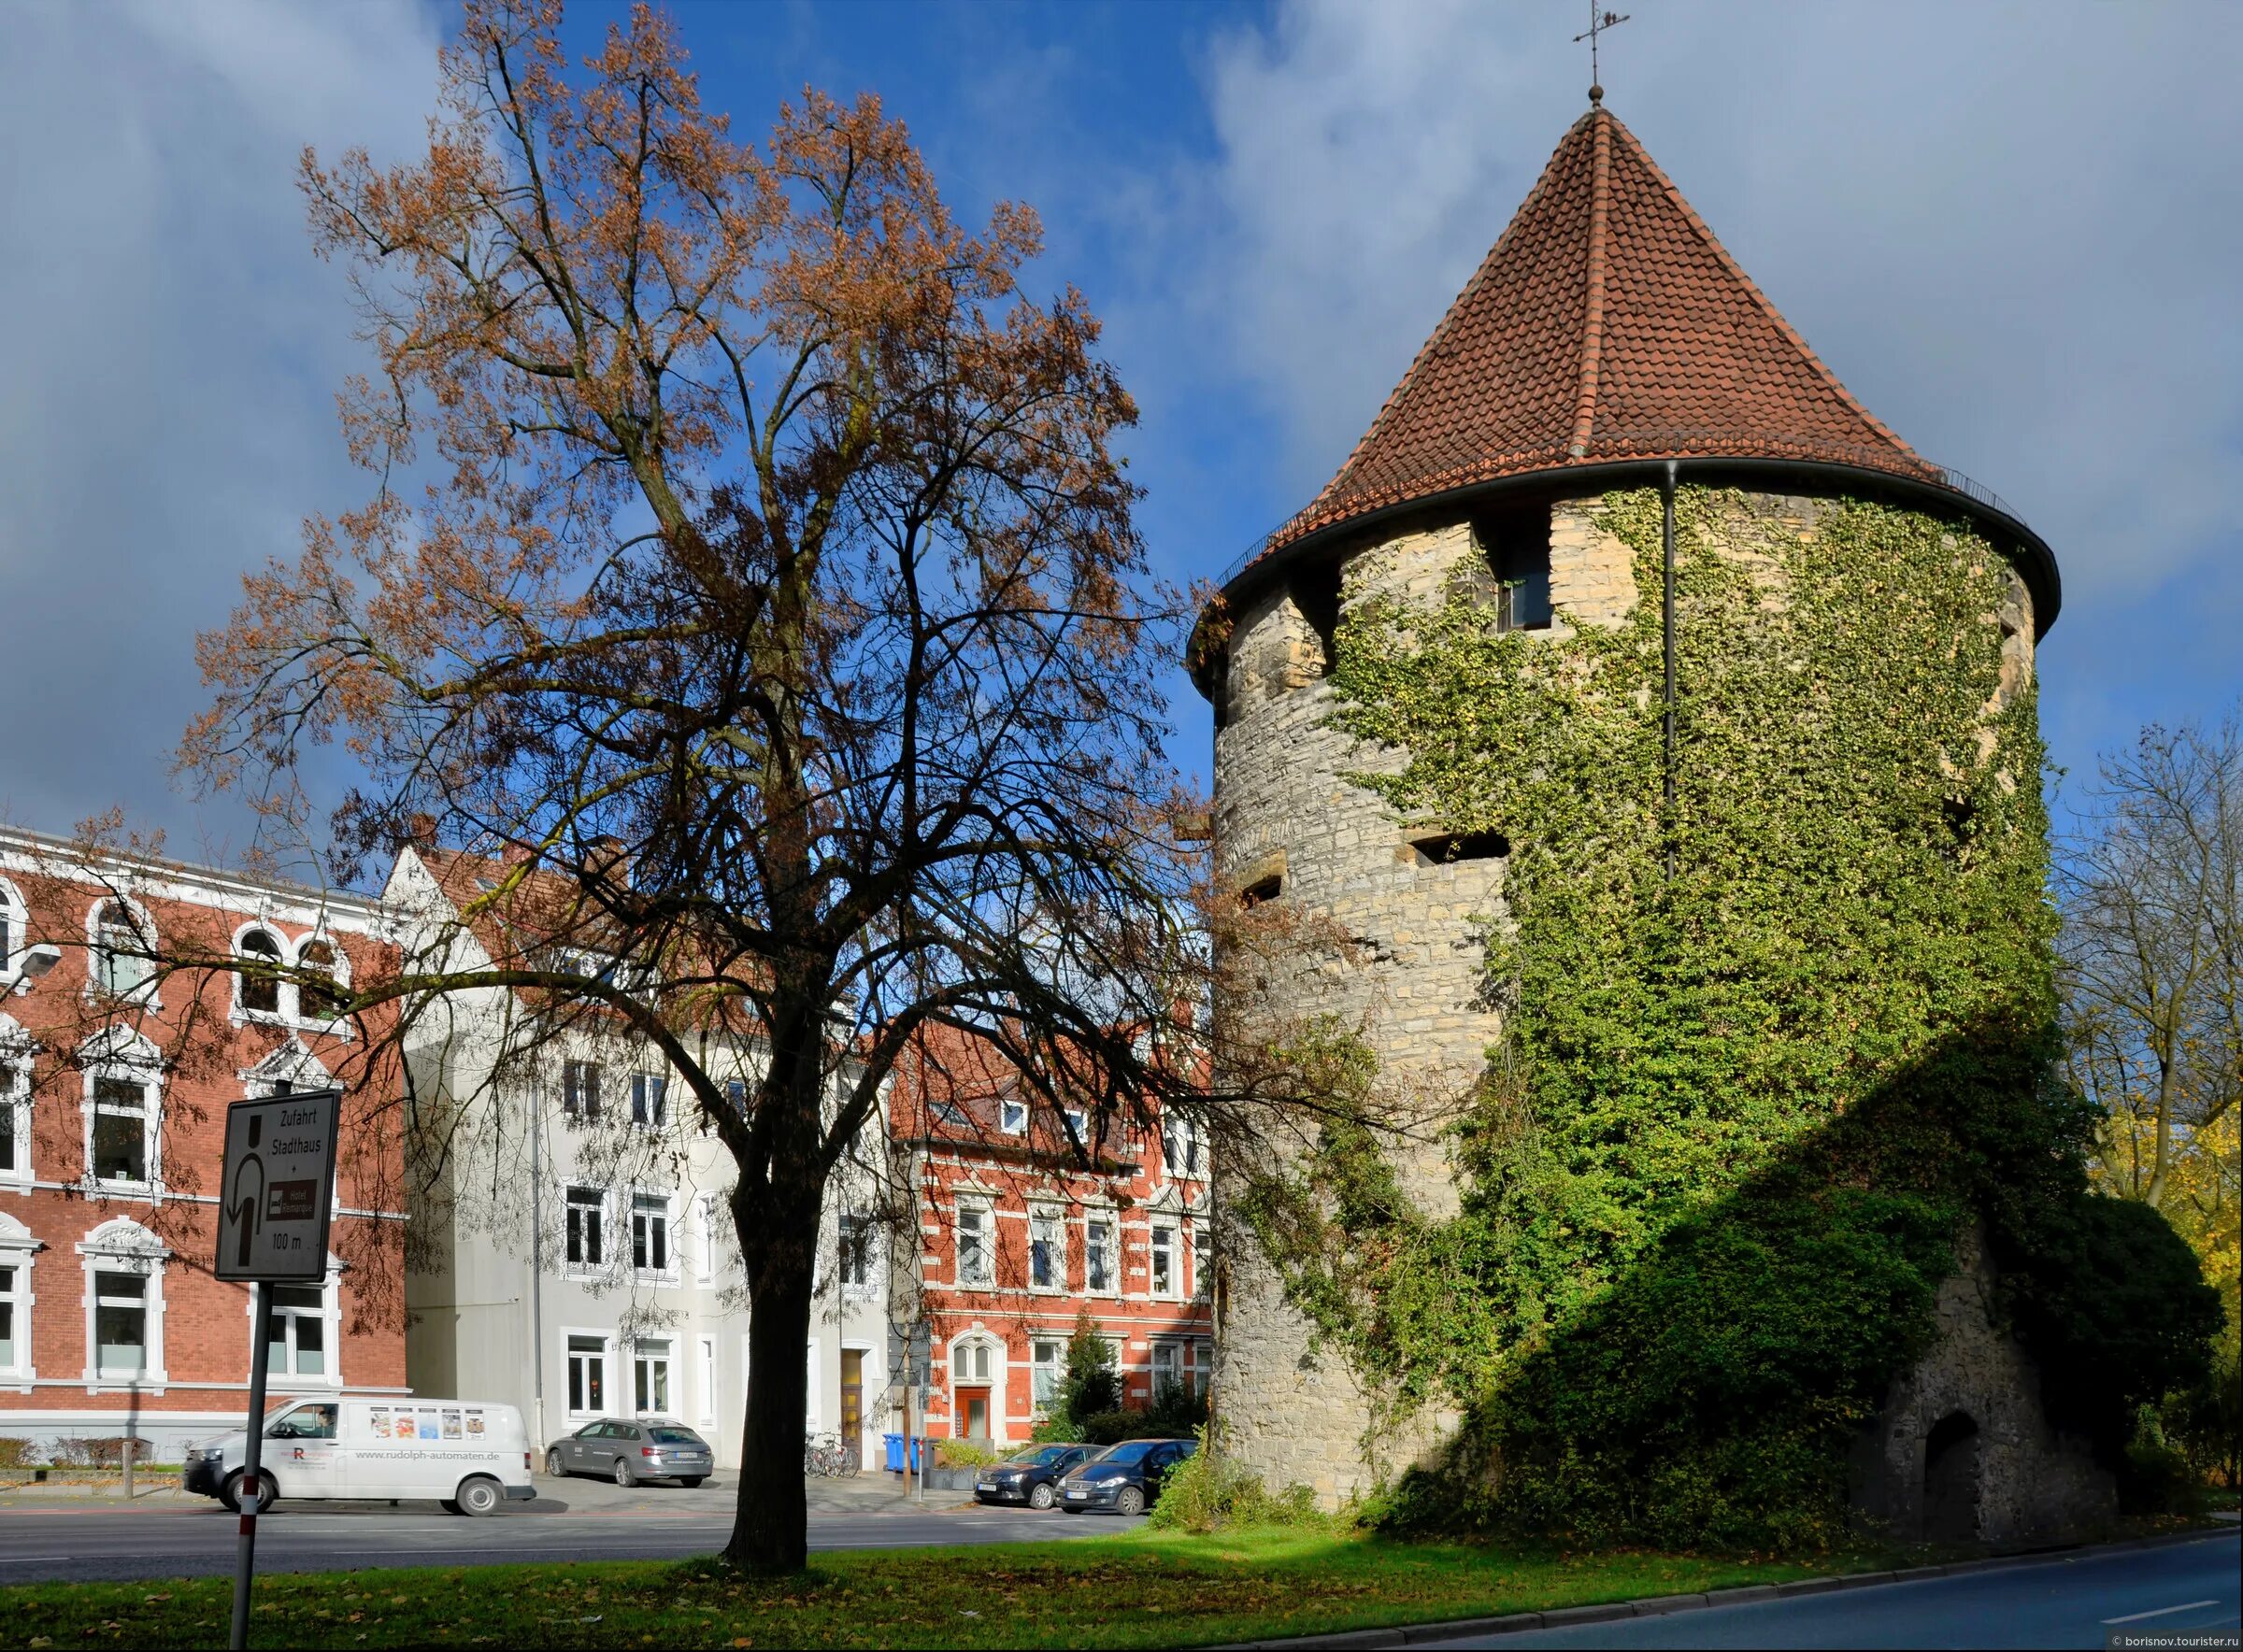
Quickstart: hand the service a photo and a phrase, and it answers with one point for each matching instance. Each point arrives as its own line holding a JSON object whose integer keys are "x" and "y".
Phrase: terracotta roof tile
{"x": 1606, "y": 324}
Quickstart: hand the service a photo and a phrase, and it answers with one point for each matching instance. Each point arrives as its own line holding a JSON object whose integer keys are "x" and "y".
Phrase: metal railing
{"x": 1665, "y": 443}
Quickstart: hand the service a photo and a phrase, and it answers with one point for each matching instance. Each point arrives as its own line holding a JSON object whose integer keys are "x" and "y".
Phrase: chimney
{"x": 607, "y": 857}
{"x": 420, "y": 831}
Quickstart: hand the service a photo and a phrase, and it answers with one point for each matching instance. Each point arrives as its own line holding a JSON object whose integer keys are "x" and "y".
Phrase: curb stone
{"x": 1413, "y": 1634}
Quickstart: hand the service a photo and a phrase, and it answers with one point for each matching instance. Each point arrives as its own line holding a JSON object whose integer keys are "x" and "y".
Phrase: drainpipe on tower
{"x": 1666, "y": 622}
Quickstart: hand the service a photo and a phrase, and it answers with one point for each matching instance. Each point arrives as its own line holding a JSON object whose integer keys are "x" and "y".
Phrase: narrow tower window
{"x": 1315, "y": 592}
{"x": 1516, "y": 544}
{"x": 1461, "y": 845}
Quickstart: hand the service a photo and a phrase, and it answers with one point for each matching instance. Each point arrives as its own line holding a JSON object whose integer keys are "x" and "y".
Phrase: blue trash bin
{"x": 895, "y": 1444}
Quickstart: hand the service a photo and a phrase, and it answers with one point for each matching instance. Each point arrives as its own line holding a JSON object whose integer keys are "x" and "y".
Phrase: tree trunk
{"x": 778, "y": 1243}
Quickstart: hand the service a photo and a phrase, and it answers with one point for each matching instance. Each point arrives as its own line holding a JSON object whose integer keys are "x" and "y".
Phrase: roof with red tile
{"x": 1606, "y": 325}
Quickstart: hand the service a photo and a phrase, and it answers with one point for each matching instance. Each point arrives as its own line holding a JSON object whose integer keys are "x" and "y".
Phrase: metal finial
{"x": 1598, "y": 23}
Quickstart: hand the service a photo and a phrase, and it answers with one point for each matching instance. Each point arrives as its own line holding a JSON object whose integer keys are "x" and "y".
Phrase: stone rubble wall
{"x": 1414, "y": 984}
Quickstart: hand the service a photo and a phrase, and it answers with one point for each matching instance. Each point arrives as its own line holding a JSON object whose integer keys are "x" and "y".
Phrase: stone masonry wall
{"x": 1413, "y": 982}
{"x": 2013, "y": 1479}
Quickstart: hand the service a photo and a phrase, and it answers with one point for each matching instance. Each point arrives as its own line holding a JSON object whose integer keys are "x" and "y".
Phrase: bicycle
{"x": 826, "y": 1456}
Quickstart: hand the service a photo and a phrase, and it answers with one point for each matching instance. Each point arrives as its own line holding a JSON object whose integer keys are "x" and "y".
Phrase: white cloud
{"x": 2014, "y": 231}
{"x": 173, "y": 351}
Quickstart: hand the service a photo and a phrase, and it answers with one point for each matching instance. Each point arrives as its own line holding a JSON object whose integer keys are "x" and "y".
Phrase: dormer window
{"x": 261, "y": 983}
{"x": 1516, "y": 546}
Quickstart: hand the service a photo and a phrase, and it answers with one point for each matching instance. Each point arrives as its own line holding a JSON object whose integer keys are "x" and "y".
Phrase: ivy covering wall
{"x": 1770, "y": 1047}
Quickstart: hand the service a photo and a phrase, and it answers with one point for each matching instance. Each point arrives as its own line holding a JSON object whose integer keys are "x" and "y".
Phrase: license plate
{"x": 1077, "y": 1494}
{"x": 985, "y": 1486}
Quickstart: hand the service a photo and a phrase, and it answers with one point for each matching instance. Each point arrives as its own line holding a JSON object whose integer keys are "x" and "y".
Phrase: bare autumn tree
{"x": 770, "y": 584}
{"x": 2152, "y": 891}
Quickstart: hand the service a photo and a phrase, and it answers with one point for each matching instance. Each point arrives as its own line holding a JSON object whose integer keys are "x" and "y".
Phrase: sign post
{"x": 277, "y": 1198}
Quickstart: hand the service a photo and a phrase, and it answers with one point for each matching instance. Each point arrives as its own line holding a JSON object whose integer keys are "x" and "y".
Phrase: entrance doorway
{"x": 972, "y": 1414}
{"x": 853, "y": 1403}
{"x": 1951, "y": 1479}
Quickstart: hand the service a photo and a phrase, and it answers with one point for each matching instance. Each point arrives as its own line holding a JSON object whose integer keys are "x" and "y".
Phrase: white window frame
{"x": 120, "y": 1053}
{"x": 571, "y": 1098}
{"x": 813, "y": 1409}
{"x": 1203, "y": 1250}
{"x": 1104, "y": 1215}
{"x": 15, "y": 932}
{"x": 1181, "y": 1141}
{"x": 98, "y": 950}
{"x": 1054, "y": 1223}
{"x": 705, "y": 1223}
{"x": 1013, "y": 1115}
{"x": 18, "y": 1248}
{"x": 338, "y": 1026}
{"x": 1199, "y": 1367}
{"x": 122, "y": 1245}
{"x": 284, "y": 991}
{"x": 705, "y": 1379}
{"x": 984, "y": 1277}
{"x": 1172, "y": 1354}
{"x": 643, "y": 1353}
{"x": 1046, "y": 1375}
{"x": 868, "y": 1253}
{"x": 606, "y": 1207}
{"x": 1153, "y": 1229}
{"x": 570, "y": 1356}
{"x": 667, "y": 1272}
{"x": 17, "y": 1056}
{"x": 649, "y": 1094}
{"x": 331, "y": 1317}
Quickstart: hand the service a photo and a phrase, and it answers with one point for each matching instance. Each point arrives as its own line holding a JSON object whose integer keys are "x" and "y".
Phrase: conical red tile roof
{"x": 1607, "y": 324}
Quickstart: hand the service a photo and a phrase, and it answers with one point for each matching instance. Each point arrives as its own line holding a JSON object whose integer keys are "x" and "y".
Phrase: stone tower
{"x": 1608, "y": 341}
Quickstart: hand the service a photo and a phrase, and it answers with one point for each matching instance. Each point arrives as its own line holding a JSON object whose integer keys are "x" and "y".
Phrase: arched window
{"x": 259, "y": 993}
{"x": 15, "y": 924}
{"x": 124, "y": 1304}
{"x": 124, "y": 941}
{"x": 320, "y": 981}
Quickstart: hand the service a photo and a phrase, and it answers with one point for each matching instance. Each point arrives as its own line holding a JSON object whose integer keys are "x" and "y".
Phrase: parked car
{"x": 629, "y": 1449}
{"x": 1030, "y": 1476}
{"x": 1125, "y": 1478}
{"x": 471, "y": 1454}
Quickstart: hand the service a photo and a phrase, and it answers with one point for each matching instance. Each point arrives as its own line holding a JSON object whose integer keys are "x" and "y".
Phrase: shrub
{"x": 18, "y": 1453}
{"x": 1209, "y": 1491}
{"x": 104, "y": 1451}
{"x": 964, "y": 1454}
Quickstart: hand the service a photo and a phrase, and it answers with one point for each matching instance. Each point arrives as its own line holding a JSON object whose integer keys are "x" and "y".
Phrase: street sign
{"x": 275, "y": 1197}
{"x": 277, "y": 1191}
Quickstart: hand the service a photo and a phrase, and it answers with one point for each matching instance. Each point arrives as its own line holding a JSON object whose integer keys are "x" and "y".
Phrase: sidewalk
{"x": 865, "y": 1494}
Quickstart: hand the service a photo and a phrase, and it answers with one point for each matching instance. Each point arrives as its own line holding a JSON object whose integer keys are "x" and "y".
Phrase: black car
{"x": 1125, "y": 1478}
{"x": 1030, "y": 1476}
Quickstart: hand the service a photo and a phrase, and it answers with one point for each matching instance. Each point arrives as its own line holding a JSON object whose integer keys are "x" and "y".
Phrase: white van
{"x": 472, "y": 1455}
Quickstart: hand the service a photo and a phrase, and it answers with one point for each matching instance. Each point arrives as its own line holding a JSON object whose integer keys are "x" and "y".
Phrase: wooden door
{"x": 852, "y": 1401}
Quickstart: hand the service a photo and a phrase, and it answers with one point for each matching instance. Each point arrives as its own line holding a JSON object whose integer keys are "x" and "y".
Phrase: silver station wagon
{"x": 629, "y": 1450}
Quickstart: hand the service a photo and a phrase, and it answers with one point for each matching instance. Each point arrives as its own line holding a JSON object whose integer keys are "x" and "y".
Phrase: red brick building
{"x": 115, "y": 1073}
{"x": 1017, "y": 1238}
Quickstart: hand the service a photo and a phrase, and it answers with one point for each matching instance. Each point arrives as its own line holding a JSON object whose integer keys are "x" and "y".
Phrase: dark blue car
{"x": 1031, "y": 1476}
{"x": 1124, "y": 1479}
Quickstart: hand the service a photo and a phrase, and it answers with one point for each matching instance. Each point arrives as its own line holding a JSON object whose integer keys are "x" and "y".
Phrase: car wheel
{"x": 691, "y": 1480}
{"x": 1043, "y": 1497}
{"x": 554, "y": 1466}
{"x": 479, "y": 1496}
{"x": 230, "y": 1494}
{"x": 623, "y": 1474}
{"x": 1131, "y": 1502}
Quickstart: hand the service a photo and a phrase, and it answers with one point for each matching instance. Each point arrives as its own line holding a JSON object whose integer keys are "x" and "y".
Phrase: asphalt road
{"x": 2185, "y": 1591}
{"x": 80, "y": 1543}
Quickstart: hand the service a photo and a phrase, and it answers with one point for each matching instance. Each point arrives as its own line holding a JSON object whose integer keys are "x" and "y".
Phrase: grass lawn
{"x": 1137, "y": 1590}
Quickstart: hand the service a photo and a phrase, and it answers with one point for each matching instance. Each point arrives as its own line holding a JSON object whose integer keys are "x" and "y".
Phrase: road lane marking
{"x": 2161, "y": 1612}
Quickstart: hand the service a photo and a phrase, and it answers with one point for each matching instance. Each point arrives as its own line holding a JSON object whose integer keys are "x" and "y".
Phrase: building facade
{"x": 575, "y": 1256}
{"x": 1017, "y": 1238}
{"x": 115, "y": 1075}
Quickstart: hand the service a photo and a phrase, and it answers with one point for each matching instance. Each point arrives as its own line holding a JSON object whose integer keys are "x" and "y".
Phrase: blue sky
{"x": 2013, "y": 230}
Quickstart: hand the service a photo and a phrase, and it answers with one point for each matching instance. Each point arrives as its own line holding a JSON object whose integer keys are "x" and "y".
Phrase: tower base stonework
{"x": 1962, "y": 1452}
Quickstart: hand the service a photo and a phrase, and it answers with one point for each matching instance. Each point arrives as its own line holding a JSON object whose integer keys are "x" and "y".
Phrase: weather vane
{"x": 1598, "y": 23}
